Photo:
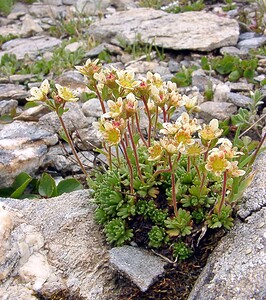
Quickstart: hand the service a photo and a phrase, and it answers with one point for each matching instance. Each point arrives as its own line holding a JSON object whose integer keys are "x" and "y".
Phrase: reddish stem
{"x": 223, "y": 193}
{"x": 100, "y": 99}
{"x": 135, "y": 152}
{"x": 131, "y": 175}
{"x": 72, "y": 145}
{"x": 139, "y": 130}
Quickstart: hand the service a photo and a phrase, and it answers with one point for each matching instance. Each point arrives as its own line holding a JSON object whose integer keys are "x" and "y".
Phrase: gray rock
{"x": 30, "y": 26}
{"x": 69, "y": 2}
{"x": 241, "y": 86}
{"x": 52, "y": 2}
{"x": 242, "y": 53}
{"x": 247, "y": 35}
{"x": 7, "y": 106}
{"x": 40, "y": 10}
{"x": 253, "y": 43}
{"x": 173, "y": 66}
{"x": 23, "y": 147}
{"x": 139, "y": 265}
{"x": 73, "y": 47}
{"x": 239, "y": 99}
{"x": 33, "y": 113}
{"x": 217, "y": 110}
{"x": 13, "y": 29}
{"x": 92, "y": 108}
{"x": 32, "y": 46}
{"x": 174, "y": 31}
{"x": 201, "y": 80}
{"x": 59, "y": 158}
{"x": 94, "y": 52}
{"x": 20, "y": 78}
{"x": 221, "y": 91}
{"x": 12, "y": 91}
{"x": 87, "y": 139}
{"x": 255, "y": 196}
{"x": 236, "y": 268}
{"x": 74, "y": 119}
{"x": 72, "y": 79}
{"x": 55, "y": 248}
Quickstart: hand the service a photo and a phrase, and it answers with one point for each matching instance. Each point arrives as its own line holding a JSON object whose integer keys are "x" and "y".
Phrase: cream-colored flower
{"x": 154, "y": 79}
{"x": 234, "y": 171}
{"x": 174, "y": 99}
{"x": 116, "y": 108}
{"x": 194, "y": 150}
{"x": 39, "y": 94}
{"x": 227, "y": 147}
{"x": 170, "y": 145}
{"x": 190, "y": 103}
{"x": 217, "y": 163}
{"x": 170, "y": 128}
{"x": 126, "y": 79}
{"x": 131, "y": 105}
{"x": 90, "y": 68}
{"x": 158, "y": 96}
{"x": 183, "y": 138}
{"x": 66, "y": 94}
{"x": 155, "y": 152}
{"x": 211, "y": 131}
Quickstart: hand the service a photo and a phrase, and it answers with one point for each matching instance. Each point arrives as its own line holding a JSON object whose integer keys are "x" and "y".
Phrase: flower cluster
{"x": 156, "y": 148}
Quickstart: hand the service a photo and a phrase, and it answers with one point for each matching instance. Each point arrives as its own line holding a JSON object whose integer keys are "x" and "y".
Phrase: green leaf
{"x": 105, "y": 92}
{"x": 20, "y": 184}
{"x": 68, "y": 185}
{"x": 249, "y": 73}
{"x": 60, "y": 111}
{"x": 47, "y": 186}
{"x": 234, "y": 76}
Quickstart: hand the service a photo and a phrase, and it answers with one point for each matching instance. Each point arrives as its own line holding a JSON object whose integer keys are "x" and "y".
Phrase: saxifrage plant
{"x": 167, "y": 180}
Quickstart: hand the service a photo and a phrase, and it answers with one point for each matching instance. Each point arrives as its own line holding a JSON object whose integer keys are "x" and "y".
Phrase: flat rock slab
{"x": 173, "y": 31}
{"x": 139, "y": 265}
{"x": 33, "y": 46}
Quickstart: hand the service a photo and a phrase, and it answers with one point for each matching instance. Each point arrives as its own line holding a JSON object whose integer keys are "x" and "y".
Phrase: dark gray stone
{"x": 8, "y": 106}
{"x": 239, "y": 100}
{"x": 253, "y": 43}
{"x": 140, "y": 266}
{"x": 12, "y": 91}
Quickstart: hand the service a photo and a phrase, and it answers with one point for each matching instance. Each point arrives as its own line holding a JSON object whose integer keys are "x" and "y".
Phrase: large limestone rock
{"x": 174, "y": 31}
{"x": 52, "y": 249}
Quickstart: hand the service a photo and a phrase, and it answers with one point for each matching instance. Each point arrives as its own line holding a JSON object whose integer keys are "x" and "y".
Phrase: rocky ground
{"x": 29, "y": 138}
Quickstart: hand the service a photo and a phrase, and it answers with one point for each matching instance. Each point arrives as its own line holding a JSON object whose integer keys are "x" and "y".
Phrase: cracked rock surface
{"x": 52, "y": 248}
